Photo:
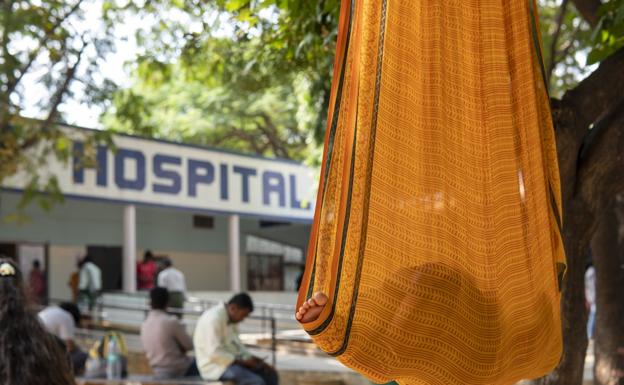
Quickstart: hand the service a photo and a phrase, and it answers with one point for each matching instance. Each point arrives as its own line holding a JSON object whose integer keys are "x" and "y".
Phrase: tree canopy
{"x": 47, "y": 55}
{"x": 252, "y": 76}
{"x": 255, "y": 75}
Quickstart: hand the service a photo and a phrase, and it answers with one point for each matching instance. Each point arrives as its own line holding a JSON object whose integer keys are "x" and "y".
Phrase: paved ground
{"x": 313, "y": 364}
{"x": 288, "y": 358}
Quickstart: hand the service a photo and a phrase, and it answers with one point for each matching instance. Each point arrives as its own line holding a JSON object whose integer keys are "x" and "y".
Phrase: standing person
{"x": 37, "y": 282}
{"x": 173, "y": 280}
{"x": 165, "y": 340}
{"x": 218, "y": 350}
{"x": 29, "y": 355}
{"x": 146, "y": 271}
{"x": 89, "y": 281}
{"x": 590, "y": 298}
{"x": 62, "y": 321}
{"x": 74, "y": 280}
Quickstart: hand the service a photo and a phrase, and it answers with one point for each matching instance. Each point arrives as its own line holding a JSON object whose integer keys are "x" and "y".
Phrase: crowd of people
{"x": 86, "y": 282}
{"x": 160, "y": 272}
{"x": 38, "y": 345}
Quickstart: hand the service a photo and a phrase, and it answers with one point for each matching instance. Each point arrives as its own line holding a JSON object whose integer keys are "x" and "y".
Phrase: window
{"x": 203, "y": 222}
{"x": 272, "y": 265}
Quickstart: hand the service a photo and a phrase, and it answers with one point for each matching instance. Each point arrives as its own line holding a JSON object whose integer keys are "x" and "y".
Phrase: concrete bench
{"x": 148, "y": 380}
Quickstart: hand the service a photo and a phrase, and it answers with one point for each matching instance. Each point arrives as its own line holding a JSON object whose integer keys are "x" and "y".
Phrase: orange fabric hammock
{"x": 437, "y": 228}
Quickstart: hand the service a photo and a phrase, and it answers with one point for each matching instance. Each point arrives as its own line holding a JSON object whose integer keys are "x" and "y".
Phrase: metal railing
{"x": 101, "y": 309}
{"x": 279, "y": 312}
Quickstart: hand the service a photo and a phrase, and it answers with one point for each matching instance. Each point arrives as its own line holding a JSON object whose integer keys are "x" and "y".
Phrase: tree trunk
{"x": 609, "y": 336}
{"x": 574, "y": 318}
{"x": 590, "y": 164}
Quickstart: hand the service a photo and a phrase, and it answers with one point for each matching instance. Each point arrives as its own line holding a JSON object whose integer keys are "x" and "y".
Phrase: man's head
{"x": 36, "y": 264}
{"x": 148, "y": 256}
{"x": 159, "y": 297}
{"x": 166, "y": 262}
{"x": 73, "y": 310}
{"x": 239, "y": 307}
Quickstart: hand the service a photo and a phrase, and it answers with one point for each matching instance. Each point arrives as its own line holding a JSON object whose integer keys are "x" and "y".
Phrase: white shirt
{"x": 590, "y": 287}
{"x": 172, "y": 279}
{"x": 90, "y": 277}
{"x": 216, "y": 343}
{"x": 58, "y": 322}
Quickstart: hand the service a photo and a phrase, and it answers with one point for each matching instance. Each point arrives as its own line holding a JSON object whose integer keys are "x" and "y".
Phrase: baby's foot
{"x": 311, "y": 308}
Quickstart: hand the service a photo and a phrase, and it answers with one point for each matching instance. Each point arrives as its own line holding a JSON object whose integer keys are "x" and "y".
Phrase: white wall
{"x": 62, "y": 263}
{"x": 200, "y": 253}
{"x": 203, "y": 271}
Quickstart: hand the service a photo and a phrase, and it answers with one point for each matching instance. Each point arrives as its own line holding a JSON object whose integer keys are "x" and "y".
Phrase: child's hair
{"x": 29, "y": 355}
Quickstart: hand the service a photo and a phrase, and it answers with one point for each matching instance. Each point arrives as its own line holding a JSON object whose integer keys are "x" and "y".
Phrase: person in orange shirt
{"x": 74, "y": 278}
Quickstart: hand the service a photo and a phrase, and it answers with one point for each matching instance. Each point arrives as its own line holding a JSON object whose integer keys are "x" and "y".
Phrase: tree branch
{"x": 553, "y": 45}
{"x": 11, "y": 84}
{"x": 235, "y": 132}
{"x": 270, "y": 131}
{"x": 588, "y": 9}
{"x": 277, "y": 148}
{"x": 57, "y": 99}
{"x": 577, "y": 110}
{"x": 600, "y": 159}
{"x": 6, "y": 55}
{"x": 598, "y": 92}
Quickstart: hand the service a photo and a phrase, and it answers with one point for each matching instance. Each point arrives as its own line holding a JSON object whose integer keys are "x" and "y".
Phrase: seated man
{"x": 165, "y": 340}
{"x": 62, "y": 321}
{"x": 219, "y": 352}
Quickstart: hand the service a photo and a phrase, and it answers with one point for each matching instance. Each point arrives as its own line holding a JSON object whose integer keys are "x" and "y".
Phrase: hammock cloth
{"x": 436, "y": 234}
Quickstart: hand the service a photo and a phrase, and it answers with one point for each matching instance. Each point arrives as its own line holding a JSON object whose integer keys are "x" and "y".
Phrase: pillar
{"x": 234, "y": 252}
{"x": 129, "y": 249}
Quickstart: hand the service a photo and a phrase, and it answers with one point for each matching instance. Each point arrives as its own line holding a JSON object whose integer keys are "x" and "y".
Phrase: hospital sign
{"x": 145, "y": 171}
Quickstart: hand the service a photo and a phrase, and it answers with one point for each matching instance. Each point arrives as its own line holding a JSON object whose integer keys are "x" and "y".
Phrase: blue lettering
{"x": 224, "y": 182}
{"x": 168, "y": 176}
{"x": 175, "y": 184}
{"x": 294, "y": 202}
{"x": 273, "y": 182}
{"x": 199, "y": 172}
{"x": 136, "y": 183}
{"x": 78, "y": 164}
{"x": 245, "y": 173}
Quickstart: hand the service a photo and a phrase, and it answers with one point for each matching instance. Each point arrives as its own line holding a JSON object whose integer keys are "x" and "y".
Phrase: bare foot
{"x": 311, "y": 308}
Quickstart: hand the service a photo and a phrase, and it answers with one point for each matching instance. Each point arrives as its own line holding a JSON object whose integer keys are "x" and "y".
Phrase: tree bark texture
{"x": 609, "y": 330}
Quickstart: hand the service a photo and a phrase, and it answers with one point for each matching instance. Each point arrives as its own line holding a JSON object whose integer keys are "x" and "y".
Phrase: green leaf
{"x": 596, "y": 55}
{"x": 234, "y": 5}
{"x": 107, "y": 6}
{"x": 62, "y": 144}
